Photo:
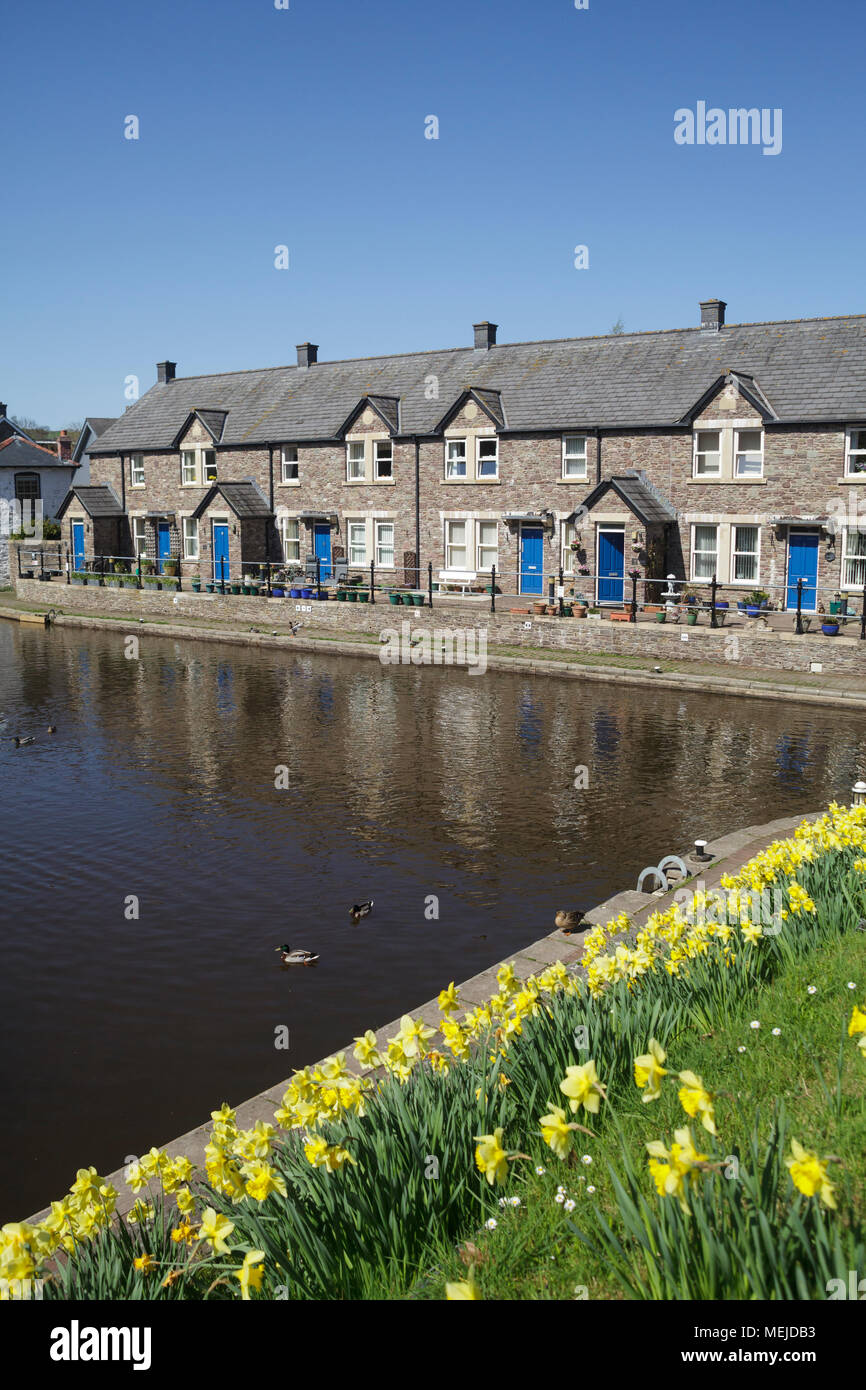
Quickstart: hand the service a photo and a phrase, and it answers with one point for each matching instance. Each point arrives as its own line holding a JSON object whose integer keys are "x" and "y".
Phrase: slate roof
{"x": 97, "y": 501}
{"x": 639, "y": 496}
{"x": 98, "y": 424}
{"x": 810, "y": 369}
{"x": 245, "y": 500}
{"x": 20, "y": 452}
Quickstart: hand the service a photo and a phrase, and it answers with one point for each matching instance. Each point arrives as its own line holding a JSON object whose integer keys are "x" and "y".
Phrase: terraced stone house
{"x": 730, "y": 449}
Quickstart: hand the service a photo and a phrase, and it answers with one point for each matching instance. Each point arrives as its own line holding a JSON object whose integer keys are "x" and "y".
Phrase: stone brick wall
{"x": 731, "y": 650}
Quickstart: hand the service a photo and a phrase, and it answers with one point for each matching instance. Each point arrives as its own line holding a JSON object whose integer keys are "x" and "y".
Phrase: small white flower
{"x": 587, "y": 1158}
{"x": 851, "y": 984}
{"x": 570, "y": 1204}
{"x": 560, "y": 1197}
{"x": 491, "y": 1224}
{"x": 754, "y": 1023}
{"x": 539, "y": 1170}
{"x": 561, "y": 1188}
{"x": 777, "y": 1032}
{"x": 514, "y": 1201}
{"x": 503, "y": 1201}
{"x": 741, "y": 1048}
{"x": 811, "y": 989}
{"x": 590, "y": 1189}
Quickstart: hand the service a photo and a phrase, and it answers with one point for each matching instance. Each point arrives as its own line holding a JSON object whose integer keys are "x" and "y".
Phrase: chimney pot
{"x": 64, "y": 446}
{"x": 713, "y": 313}
{"x": 308, "y": 354}
{"x": 165, "y": 371}
{"x": 485, "y": 335}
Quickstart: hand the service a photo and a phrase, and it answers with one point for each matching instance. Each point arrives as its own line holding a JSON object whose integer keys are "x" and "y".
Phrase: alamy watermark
{"x": 437, "y": 646}
{"x": 713, "y": 125}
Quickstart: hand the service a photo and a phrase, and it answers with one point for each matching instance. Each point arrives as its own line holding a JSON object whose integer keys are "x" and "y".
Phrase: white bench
{"x": 464, "y": 579}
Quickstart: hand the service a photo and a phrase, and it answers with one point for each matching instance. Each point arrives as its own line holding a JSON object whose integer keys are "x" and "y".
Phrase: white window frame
{"x": 136, "y": 470}
{"x": 483, "y": 561}
{"x": 190, "y": 539}
{"x": 698, "y": 454}
{"x": 704, "y": 526}
{"x": 848, "y": 557}
{"x": 486, "y": 439}
{"x": 568, "y": 458}
{"x": 383, "y": 444}
{"x": 380, "y": 547}
{"x": 352, "y": 525}
{"x": 450, "y": 462}
{"x": 139, "y": 535}
{"x": 748, "y": 429}
{"x": 743, "y": 526}
{"x": 289, "y": 460}
{"x": 185, "y": 456}
{"x": 569, "y": 534}
{"x": 851, "y": 453}
{"x": 206, "y": 481}
{"x": 286, "y": 540}
{"x": 350, "y": 462}
{"x": 465, "y": 545}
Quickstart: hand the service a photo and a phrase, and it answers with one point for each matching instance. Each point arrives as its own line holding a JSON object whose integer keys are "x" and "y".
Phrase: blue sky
{"x": 305, "y": 127}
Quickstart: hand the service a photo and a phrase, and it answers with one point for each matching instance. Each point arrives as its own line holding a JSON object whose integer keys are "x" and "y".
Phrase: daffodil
{"x": 697, "y": 1100}
{"x": 262, "y": 1180}
{"x": 448, "y": 999}
{"x": 491, "y": 1158}
{"x": 215, "y": 1229}
{"x": 366, "y": 1050}
{"x": 140, "y": 1212}
{"x": 250, "y": 1273}
{"x": 648, "y": 1071}
{"x": 809, "y": 1174}
{"x": 144, "y": 1263}
{"x": 463, "y": 1290}
{"x": 858, "y": 1021}
{"x": 582, "y": 1087}
{"x": 557, "y": 1132}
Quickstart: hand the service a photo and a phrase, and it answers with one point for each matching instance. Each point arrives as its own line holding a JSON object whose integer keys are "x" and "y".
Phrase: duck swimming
{"x": 360, "y": 910}
{"x": 296, "y": 957}
{"x": 25, "y": 741}
{"x": 570, "y": 921}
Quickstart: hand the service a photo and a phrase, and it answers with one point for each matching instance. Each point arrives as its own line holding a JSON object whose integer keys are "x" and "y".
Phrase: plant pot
{"x": 839, "y": 606}
{"x": 539, "y": 608}
{"x": 741, "y": 607}
{"x": 295, "y": 593}
{"x": 209, "y": 585}
{"x": 352, "y": 595}
{"x": 567, "y": 610}
{"x": 306, "y": 592}
{"x": 579, "y": 610}
{"x": 363, "y": 596}
{"x": 720, "y": 604}
{"x": 418, "y": 600}
{"x": 196, "y": 586}
{"x": 752, "y": 611}
{"x": 830, "y": 629}
{"x": 691, "y": 619}
{"x": 236, "y": 588}
{"x": 661, "y": 617}
{"x": 254, "y": 590}
{"x": 341, "y": 595}
{"x": 393, "y": 598}
{"x": 277, "y": 592}
{"x": 552, "y": 610}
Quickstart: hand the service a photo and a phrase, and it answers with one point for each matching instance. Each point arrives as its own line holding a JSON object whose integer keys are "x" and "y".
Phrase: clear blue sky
{"x": 305, "y": 127}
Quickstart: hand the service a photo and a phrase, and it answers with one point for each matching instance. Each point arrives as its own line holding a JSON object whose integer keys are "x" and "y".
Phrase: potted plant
{"x": 393, "y": 597}
{"x": 691, "y": 616}
{"x": 146, "y": 565}
{"x": 342, "y": 594}
{"x": 196, "y": 583}
{"x": 755, "y": 601}
{"x": 418, "y": 600}
{"x": 830, "y": 629}
{"x": 661, "y": 615}
{"x": 838, "y": 604}
{"x": 363, "y": 595}
{"x": 170, "y": 567}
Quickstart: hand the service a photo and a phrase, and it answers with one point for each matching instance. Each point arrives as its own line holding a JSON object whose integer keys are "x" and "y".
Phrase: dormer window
{"x": 708, "y": 453}
{"x": 749, "y": 453}
{"x": 487, "y": 463}
{"x": 455, "y": 458}
{"x": 289, "y": 465}
{"x": 384, "y": 459}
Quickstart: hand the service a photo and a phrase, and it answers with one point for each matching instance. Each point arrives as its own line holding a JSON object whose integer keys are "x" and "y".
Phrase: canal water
{"x": 401, "y": 785}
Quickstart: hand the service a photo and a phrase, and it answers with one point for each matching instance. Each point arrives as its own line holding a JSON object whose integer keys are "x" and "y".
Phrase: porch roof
{"x": 637, "y": 494}
{"x": 245, "y": 500}
{"x": 532, "y": 518}
{"x": 97, "y": 501}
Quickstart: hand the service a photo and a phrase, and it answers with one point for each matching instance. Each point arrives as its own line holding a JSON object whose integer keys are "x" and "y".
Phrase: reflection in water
{"x": 402, "y": 782}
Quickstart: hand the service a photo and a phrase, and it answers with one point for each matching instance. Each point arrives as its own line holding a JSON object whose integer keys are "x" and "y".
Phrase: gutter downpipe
{"x": 417, "y": 511}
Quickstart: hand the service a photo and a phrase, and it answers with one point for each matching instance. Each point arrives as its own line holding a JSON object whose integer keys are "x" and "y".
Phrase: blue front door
{"x": 803, "y": 564}
{"x": 220, "y": 550}
{"x": 78, "y": 545}
{"x": 322, "y": 548}
{"x": 611, "y": 566}
{"x": 531, "y": 559}
{"x": 163, "y": 549}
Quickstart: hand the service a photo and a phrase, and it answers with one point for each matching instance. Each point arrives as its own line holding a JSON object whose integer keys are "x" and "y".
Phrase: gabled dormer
{"x": 372, "y": 413}
{"x": 196, "y": 439}
{"x": 734, "y": 394}
{"x": 369, "y": 431}
{"x": 728, "y": 430}
{"x": 466, "y": 407}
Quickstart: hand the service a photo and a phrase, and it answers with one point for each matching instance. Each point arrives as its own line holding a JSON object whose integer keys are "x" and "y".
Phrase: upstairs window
{"x": 855, "y": 452}
{"x": 487, "y": 464}
{"x": 28, "y": 487}
{"x": 455, "y": 458}
{"x": 289, "y": 466}
{"x": 188, "y": 474}
{"x": 574, "y": 456}
{"x": 708, "y": 454}
{"x": 749, "y": 454}
{"x": 136, "y": 470}
{"x": 384, "y": 455}
{"x": 356, "y": 470}
{"x": 210, "y": 466}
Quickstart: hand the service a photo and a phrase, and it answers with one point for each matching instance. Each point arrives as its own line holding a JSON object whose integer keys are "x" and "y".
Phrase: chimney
{"x": 485, "y": 335}
{"x": 308, "y": 354}
{"x": 3, "y": 408}
{"x": 713, "y": 314}
{"x": 64, "y": 447}
{"x": 165, "y": 371}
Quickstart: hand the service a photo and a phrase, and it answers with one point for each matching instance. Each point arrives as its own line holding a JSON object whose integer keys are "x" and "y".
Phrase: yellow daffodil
{"x": 697, "y": 1100}
{"x": 809, "y": 1174}
{"x": 491, "y": 1158}
{"x": 144, "y": 1263}
{"x": 582, "y": 1087}
{"x": 448, "y": 999}
{"x": 141, "y": 1212}
{"x": 464, "y": 1290}
{"x": 215, "y": 1229}
{"x": 858, "y": 1021}
{"x": 366, "y": 1050}
{"x": 648, "y": 1071}
{"x": 262, "y": 1180}
{"x": 250, "y": 1273}
{"x": 557, "y": 1132}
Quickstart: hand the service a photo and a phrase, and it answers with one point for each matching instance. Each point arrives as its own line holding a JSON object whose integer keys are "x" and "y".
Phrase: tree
{"x": 618, "y": 328}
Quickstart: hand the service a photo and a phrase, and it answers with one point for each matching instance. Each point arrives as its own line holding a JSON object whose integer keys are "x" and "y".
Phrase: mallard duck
{"x": 22, "y": 742}
{"x": 52, "y": 728}
{"x": 570, "y": 921}
{"x": 360, "y": 910}
{"x": 296, "y": 957}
